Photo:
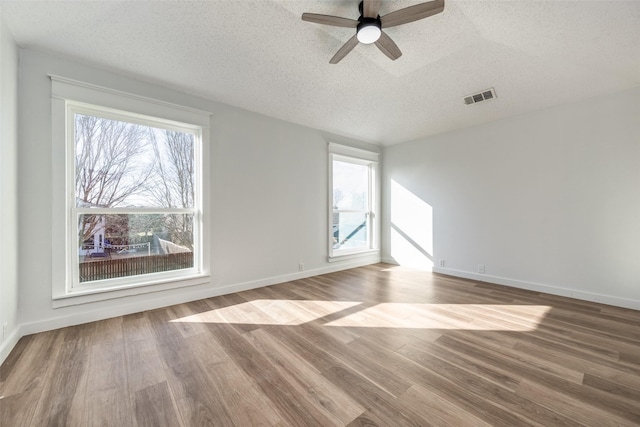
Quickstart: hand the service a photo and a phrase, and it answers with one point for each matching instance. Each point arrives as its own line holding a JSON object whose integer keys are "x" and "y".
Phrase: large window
{"x": 353, "y": 201}
{"x": 135, "y": 207}
{"x": 131, "y": 170}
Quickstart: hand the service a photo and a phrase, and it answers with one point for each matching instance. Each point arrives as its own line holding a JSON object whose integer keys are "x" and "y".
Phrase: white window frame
{"x": 361, "y": 157}
{"x": 70, "y": 97}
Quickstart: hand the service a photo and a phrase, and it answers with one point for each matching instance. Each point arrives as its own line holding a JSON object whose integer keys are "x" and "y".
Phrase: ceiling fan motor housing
{"x": 368, "y": 29}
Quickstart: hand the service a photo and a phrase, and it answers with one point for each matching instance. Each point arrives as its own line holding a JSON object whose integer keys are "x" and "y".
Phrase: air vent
{"x": 485, "y": 95}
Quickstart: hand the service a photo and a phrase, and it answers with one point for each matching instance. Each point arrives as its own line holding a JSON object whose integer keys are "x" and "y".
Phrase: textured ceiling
{"x": 260, "y": 56}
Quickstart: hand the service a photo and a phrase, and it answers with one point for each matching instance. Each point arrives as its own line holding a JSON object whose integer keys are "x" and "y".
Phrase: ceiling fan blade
{"x": 370, "y": 8}
{"x": 388, "y": 46}
{"x": 412, "y": 13}
{"x": 346, "y": 48}
{"x": 336, "y": 21}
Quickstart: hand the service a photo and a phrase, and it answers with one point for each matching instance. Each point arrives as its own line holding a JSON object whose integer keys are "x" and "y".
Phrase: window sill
{"x": 85, "y": 296}
{"x": 353, "y": 255}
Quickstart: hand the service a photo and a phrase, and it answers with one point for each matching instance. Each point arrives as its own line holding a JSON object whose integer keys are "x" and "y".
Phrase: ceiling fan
{"x": 369, "y": 25}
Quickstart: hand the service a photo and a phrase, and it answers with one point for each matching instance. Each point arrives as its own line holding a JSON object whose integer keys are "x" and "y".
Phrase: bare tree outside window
{"x": 108, "y": 166}
{"x": 174, "y": 180}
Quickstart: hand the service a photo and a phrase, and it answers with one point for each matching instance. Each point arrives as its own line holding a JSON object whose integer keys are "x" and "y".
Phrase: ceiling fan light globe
{"x": 368, "y": 34}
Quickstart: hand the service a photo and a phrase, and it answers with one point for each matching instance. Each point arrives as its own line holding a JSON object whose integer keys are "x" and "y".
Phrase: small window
{"x": 353, "y": 201}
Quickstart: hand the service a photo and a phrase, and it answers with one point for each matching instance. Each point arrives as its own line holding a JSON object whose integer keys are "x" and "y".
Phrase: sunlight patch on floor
{"x": 479, "y": 317}
{"x": 270, "y": 312}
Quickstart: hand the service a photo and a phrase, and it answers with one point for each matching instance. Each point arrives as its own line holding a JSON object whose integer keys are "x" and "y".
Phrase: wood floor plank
{"x": 420, "y": 372}
{"x": 562, "y": 347}
{"x": 136, "y": 327}
{"x": 108, "y": 407}
{"x": 631, "y": 356}
{"x": 571, "y": 407}
{"x": 169, "y": 339}
{"x": 469, "y": 367}
{"x": 394, "y": 338}
{"x": 592, "y": 397}
{"x": 612, "y": 387}
{"x": 243, "y": 399}
{"x": 590, "y": 341}
{"x": 367, "y": 419}
{"x": 379, "y": 345}
{"x": 435, "y": 410}
{"x": 535, "y": 360}
{"x": 108, "y": 330}
{"x": 585, "y": 347}
{"x": 19, "y": 409}
{"x": 617, "y": 328}
{"x": 107, "y": 365}
{"x": 399, "y": 366}
{"x": 27, "y": 368}
{"x": 199, "y": 400}
{"x": 62, "y": 398}
{"x": 104, "y": 380}
{"x": 306, "y": 380}
{"x": 143, "y": 363}
{"x": 379, "y": 402}
{"x": 83, "y": 334}
{"x": 580, "y": 366}
{"x": 154, "y": 407}
{"x": 12, "y": 359}
{"x": 500, "y": 393}
{"x": 621, "y": 312}
{"x": 295, "y": 409}
{"x": 367, "y": 367}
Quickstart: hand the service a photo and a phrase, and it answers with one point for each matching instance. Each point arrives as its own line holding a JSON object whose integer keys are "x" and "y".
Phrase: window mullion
{"x": 159, "y": 211}
{"x": 364, "y": 211}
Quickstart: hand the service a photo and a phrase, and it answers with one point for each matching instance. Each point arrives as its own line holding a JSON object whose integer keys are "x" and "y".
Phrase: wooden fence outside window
{"x": 112, "y": 268}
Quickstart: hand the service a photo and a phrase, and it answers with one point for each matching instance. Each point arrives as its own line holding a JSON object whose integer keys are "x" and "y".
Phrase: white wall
{"x": 8, "y": 191}
{"x": 268, "y": 193}
{"x": 546, "y": 201}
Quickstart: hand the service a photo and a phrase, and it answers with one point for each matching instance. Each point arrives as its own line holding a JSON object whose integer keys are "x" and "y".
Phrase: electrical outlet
{"x": 441, "y": 263}
{"x": 301, "y": 266}
{"x": 481, "y": 268}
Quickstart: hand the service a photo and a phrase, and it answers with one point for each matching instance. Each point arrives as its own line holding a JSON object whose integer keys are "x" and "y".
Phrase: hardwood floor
{"x": 378, "y": 345}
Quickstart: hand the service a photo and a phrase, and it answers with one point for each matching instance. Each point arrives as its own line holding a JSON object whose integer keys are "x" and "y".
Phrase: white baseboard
{"x": 538, "y": 287}
{"x": 158, "y": 301}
